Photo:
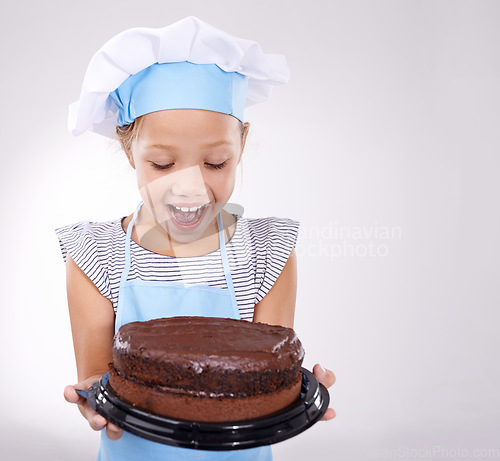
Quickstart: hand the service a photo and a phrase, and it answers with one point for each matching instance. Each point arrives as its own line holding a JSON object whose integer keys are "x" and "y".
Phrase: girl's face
{"x": 186, "y": 161}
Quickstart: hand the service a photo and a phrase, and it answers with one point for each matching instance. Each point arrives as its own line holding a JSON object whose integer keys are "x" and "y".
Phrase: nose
{"x": 188, "y": 182}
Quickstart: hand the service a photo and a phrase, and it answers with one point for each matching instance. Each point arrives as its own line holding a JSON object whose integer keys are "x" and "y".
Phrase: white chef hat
{"x": 189, "y": 64}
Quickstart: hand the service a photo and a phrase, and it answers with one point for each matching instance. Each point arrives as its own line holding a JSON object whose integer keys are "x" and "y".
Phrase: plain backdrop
{"x": 384, "y": 145}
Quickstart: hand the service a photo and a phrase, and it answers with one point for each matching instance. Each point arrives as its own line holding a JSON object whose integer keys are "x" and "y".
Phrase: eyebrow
{"x": 207, "y": 145}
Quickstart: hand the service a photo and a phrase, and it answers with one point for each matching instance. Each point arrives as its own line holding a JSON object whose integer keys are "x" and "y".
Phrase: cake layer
{"x": 193, "y": 406}
{"x": 218, "y": 356}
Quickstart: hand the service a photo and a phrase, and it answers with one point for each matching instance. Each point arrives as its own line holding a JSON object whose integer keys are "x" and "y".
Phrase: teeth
{"x": 186, "y": 209}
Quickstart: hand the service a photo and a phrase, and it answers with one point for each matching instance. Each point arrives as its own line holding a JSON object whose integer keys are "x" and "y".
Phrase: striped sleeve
{"x": 281, "y": 238}
{"x": 80, "y": 241}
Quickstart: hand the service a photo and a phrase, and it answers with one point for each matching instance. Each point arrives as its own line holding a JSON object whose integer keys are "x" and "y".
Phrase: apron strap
{"x": 127, "y": 246}
{"x": 225, "y": 263}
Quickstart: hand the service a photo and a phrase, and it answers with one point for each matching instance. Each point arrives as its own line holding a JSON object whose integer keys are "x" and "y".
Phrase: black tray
{"x": 234, "y": 435}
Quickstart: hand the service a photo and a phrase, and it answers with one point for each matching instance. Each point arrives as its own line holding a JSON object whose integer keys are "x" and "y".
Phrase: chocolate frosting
{"x": 209, "y": 354}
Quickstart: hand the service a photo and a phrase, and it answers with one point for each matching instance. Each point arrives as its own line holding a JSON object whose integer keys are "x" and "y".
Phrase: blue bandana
{"x": 180, "y": 85}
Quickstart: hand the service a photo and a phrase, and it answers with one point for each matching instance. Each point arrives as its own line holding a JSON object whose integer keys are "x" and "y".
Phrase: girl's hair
{"x": 127, "y": 133}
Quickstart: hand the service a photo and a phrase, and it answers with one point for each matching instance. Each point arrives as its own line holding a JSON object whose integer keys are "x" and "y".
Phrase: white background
{"x": 390, "y": 123}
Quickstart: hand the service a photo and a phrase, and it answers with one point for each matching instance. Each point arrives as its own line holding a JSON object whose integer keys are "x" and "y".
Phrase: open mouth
{"x": 187, "y": 216}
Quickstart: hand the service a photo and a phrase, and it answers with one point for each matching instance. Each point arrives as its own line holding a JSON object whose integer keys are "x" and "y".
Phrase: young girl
{"x": 175, "y": 99}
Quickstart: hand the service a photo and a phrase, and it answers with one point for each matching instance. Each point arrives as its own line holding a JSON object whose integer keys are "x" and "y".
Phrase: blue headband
{"x": 180, "y": 85}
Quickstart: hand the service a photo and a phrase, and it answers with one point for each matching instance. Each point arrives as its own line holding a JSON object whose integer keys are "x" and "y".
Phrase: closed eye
{"x": 217, "y": 166}
{"x": 161, "y": 167}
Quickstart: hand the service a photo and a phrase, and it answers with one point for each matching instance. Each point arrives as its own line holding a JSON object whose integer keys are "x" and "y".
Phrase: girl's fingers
{"x": 324, "y": 376}
{"x": 329, "y": 414}
{"x": 72, "y": 396}
{"x": 113, "y": 432}
{"x": 96, "y": 421}
{"x": 327, "y": 378}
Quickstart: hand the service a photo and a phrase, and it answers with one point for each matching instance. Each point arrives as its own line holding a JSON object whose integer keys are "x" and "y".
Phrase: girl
{"x": 175, "y": 98}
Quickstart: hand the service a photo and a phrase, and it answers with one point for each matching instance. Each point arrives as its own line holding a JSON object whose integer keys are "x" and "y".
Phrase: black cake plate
{"x": 311, "y": 406}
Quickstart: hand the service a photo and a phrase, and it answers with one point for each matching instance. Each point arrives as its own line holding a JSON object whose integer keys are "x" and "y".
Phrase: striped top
{"x": 257, "y": 253}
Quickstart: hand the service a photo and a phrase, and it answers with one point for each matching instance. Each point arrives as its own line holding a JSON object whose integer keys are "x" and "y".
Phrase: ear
{"x": 130, "y": 160}
{"x": 128, "y": 153}
{"x": 244, "y": 139}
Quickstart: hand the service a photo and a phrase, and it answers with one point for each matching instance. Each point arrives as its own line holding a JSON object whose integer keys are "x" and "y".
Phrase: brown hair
{"x": 127, "y": 133}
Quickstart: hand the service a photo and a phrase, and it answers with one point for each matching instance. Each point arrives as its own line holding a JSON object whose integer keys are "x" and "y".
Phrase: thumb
{"x": 324, "y": 376}
{"x": 72, "y": 396}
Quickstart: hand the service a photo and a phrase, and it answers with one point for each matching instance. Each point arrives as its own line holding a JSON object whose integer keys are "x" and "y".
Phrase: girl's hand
{"x": 96, "y": 421}
{"x": 327, "y": 378}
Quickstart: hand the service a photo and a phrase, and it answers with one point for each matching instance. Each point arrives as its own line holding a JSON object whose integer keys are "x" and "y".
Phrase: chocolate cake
{"x": 206, "y": 369}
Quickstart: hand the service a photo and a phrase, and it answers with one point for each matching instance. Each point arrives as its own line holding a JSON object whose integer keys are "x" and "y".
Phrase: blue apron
{"x": 141, "y": 300}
